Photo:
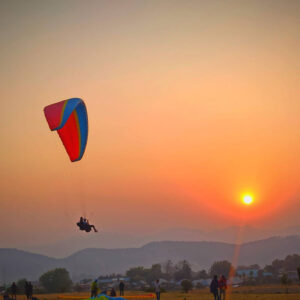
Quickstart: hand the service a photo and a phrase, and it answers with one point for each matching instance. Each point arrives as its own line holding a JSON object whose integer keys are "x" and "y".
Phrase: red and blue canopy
{"x": 69, "y": 119}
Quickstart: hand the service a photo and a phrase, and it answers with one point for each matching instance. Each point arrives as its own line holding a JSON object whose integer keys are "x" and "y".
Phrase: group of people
{"x": 218, "y": 287}
{"x": 84, "y": 224}
{"x": 14, "y": 290}
{"x": 112, "y": 292}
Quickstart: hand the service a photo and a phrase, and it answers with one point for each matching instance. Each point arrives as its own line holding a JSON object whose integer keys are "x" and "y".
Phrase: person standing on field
{"x": 26, "y": 289}
{"x": 94, "y": 289}
{"x": 222, "y": 287}
{"x": 157, "y": 289}
{"x": 30, "y": 290}
{"x": 13, "y": 291}
{"x": 121, "y": 288}
{"x": 214, "y": 285}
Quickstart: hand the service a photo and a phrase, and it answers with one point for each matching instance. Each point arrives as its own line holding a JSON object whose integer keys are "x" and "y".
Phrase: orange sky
{"x": 190, "y": 103}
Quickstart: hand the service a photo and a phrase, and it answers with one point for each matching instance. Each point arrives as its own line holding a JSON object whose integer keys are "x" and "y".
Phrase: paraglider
{"x": 69, "y": 119}
{"x": 84, "y": 224}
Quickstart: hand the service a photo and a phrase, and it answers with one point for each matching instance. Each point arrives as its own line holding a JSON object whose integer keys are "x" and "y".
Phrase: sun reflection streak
{"x": 235, "y": 258}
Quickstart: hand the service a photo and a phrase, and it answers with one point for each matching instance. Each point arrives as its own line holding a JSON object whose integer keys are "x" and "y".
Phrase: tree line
{"x": 179, "y": 271}
{"x": 59, "y": 281}
{"x": 271, "y": 273}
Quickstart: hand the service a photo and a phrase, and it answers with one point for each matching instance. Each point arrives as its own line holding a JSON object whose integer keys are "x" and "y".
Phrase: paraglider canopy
{"x": 69, "y": 119}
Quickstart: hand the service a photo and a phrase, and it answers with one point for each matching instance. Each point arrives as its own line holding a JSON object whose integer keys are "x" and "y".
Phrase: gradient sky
{"x": 190, "y": 103}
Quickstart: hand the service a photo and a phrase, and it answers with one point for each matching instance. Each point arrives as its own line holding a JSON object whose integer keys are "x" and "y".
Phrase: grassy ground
{"x": 243, "y": 293}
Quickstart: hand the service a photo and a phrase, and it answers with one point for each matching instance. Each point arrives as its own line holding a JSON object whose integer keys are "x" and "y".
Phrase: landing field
{"x": 241, "y": 293}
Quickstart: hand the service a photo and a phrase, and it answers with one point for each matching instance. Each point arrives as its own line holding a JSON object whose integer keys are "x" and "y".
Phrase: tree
{"x": 21, "y": 286}
{"x": 285, "y": 281}
{"x": 186, "y": 285}
{"x": 291, "y": 262}
{"x": 169, "y": 269}
{"x": 136, "y": 274}
{"x": 221, "y": 268}
{"x": 277, "y": 265}
{"x": 260, "y": 276}
{"x": 202, "y": 274}
{"x": 183, "y": 270}
{"x": 155, "y": 272}
{"x": 56, "y": 281}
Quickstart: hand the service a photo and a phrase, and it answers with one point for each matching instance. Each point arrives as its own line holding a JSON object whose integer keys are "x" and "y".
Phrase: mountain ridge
{"x": 92, "y": 262}
{"x": 112, "y": 240}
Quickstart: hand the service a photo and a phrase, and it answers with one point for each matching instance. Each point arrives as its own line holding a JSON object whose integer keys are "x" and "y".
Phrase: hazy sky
{"x": 190, "y": 103}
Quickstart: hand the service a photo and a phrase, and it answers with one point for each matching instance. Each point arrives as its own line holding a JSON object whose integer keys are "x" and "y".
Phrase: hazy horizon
{"x": 62, "y": 248}
{"x": 191, "y": 104}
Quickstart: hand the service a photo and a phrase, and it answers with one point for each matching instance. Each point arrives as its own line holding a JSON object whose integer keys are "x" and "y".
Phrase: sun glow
{"x": 247, "y": 199}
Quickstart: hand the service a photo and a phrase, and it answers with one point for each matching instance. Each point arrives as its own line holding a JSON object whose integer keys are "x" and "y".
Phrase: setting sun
{"x": 247, "y": 199}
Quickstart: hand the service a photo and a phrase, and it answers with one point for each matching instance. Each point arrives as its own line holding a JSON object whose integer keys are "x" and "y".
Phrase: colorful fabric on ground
{"x": 106, "y": 297}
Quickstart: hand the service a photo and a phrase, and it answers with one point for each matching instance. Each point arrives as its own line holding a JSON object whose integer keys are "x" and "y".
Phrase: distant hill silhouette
{"x": 16, "y": 264}
{"x": 113, "y": 240}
